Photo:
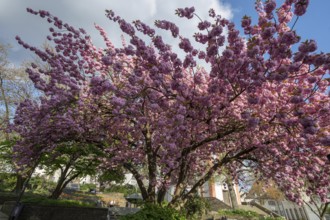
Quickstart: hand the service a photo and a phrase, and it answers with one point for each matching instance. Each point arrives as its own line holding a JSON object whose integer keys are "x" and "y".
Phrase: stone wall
{"x": 33, "y": 212}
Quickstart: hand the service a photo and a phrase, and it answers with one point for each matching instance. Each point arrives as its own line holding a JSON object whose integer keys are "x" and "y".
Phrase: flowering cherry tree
{"x": 169, "y": 121}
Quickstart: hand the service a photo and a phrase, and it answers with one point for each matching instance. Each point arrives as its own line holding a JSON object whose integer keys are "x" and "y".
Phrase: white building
{"x": 213, "y": 188}
{"x": 288, "y": 209}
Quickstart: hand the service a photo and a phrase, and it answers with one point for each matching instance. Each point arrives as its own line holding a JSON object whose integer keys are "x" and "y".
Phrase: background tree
{"x": 107, "y": 177}
{"x": 3, "y": 65}
{"x": 15, "y": 87}
{"x": 261, "y": 191}
{"x": 72, "y": 160}
{"x": 7, "y": 172}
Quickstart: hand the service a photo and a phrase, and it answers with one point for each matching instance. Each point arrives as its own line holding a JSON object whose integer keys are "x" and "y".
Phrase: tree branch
{"x": 138, "y": 178}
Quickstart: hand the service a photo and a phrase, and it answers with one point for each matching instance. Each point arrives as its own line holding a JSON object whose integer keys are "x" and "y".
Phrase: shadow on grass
{"x": 78, "y": 199}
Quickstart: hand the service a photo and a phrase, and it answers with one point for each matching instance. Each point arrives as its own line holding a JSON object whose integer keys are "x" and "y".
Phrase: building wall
{"x": 213, "y": 188}
{"x": 219, "y": 191}
{"x": 238, "y": 195}
{"x": 205, "y": 190}
{"x": 290, "y": 210}
{"x": 310, "y": 213}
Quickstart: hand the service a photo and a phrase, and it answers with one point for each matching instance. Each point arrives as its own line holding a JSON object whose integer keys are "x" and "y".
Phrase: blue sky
{"x": 315, "y": 24}
{"x": 14, "y": 20}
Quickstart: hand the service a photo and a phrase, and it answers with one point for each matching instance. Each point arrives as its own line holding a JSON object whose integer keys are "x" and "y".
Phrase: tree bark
{"x": 324, "y": 210}
{"x": 58, "y": 189}
{"x": 59, "y": 186}
{"x": 178, "y": 199}
{"x": 3, "y": 94}
{"x": 138, "y": 179}
{"x": 161, "y": 195}
{"x": 181, "y": 198}
{"x": 19, "y": 183}
{"x": 232, "y": 193}
{"x": 152, "y": 166}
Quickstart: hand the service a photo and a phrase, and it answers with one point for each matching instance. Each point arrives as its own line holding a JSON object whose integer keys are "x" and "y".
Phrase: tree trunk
{"x": 102, "y": 186}
{"x": 138, "y": 179}
{"x": 58, "y": 189}
{"x": 59, "y": 186}
{"x": 161, "y": 195}
{"x": 19, "y": 183}
{"x": 152, "y": 165}
{"x": 232, "y": 193}
{"x": 4, "y": 97}
{"x": 324, "y": 211}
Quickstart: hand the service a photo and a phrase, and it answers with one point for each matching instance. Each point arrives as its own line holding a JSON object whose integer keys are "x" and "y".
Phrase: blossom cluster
{"x": 262, "y": 103}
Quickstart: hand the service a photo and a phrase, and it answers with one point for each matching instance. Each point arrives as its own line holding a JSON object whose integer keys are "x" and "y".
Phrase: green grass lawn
{"x": 78, "y": 200}
{"x": 246, "y": 215}
{"x": 58, "y": 202}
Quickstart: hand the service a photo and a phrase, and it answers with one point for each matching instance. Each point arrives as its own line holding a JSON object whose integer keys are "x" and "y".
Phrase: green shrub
{"x": 125, "y": 189}
{"x": 38, "y": 199}
{"x": 57, "y": 202}
{"x": 155, "y": 212}
{"x": 7, "y": 181}
{"x": 87, "y": 186}
{"x": 195, "y": 207}
{"x": 39, "y": 185}
{"x": 246, "y": 214}
{"x": 238, "y": 212}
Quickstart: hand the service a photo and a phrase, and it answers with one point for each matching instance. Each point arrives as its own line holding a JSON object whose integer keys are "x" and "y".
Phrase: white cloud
{"x": 14, "y": 20}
